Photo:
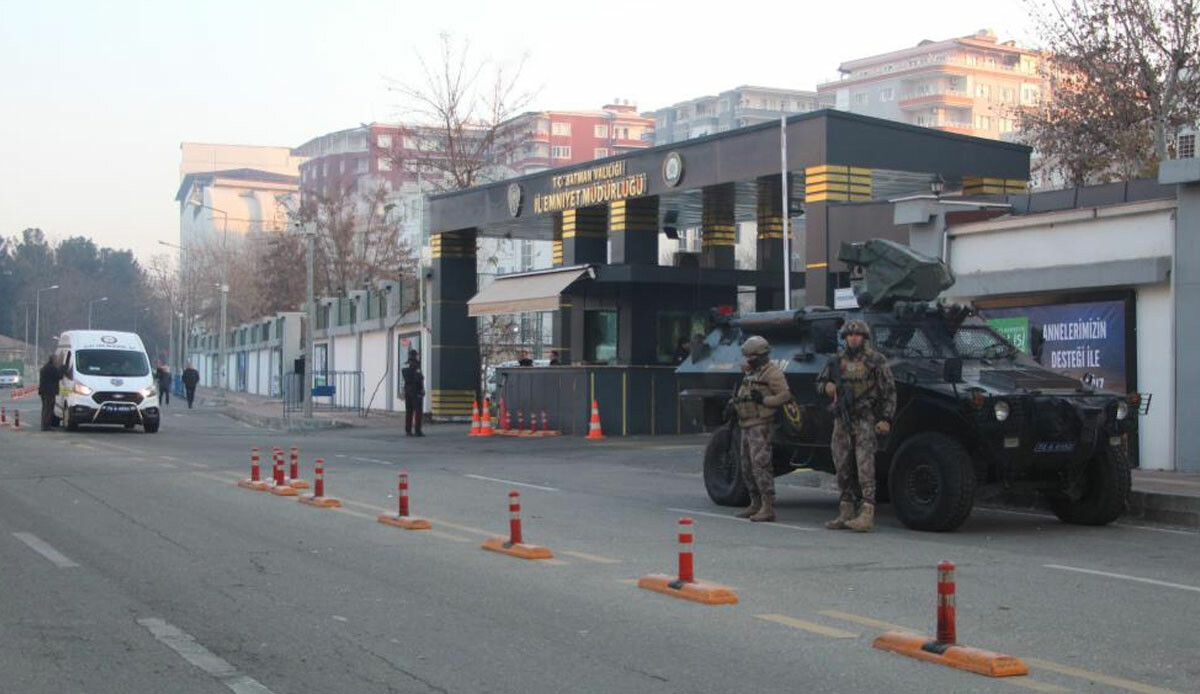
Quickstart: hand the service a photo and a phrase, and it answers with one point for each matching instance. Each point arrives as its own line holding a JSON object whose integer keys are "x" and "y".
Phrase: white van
{"x": 106, "y": 380}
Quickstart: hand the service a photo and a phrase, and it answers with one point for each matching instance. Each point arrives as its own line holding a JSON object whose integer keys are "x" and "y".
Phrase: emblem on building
{"x": 672, "y": 169}
{"x": 516, "y": 197}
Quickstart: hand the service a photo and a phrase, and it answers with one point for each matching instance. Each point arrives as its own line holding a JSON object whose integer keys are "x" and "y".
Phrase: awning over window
{"x": 525, "y": 292}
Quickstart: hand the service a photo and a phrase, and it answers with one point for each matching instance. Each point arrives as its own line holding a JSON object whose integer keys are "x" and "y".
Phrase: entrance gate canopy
{"x": 526, "y": 292}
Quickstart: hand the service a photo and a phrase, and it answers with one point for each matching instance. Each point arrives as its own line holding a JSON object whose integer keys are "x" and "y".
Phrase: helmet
{"x": 856, "y": 327}
{"x": 755, "y": 346}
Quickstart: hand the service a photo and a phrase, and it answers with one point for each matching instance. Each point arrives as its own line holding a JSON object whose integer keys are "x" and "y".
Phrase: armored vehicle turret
{"x": 972, "y": 410}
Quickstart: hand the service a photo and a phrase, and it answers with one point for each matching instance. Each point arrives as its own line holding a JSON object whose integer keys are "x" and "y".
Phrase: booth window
{"x": 672, "y": 327}
{"x": 600, "y": 337}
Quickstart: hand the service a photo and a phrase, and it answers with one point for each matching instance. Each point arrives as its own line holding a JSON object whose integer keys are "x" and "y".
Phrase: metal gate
{"x": 333, "y": 391}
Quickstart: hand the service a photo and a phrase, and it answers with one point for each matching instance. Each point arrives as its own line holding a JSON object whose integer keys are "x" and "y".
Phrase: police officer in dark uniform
{"x": 48, "y": 380}
{"x": 414, "y": 394}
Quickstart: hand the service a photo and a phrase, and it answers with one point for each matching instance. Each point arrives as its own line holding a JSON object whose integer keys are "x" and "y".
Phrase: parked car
{"x": 11, "y": 378}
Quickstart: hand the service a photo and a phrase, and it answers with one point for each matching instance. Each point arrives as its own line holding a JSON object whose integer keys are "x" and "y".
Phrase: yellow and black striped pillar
{"x": 978, "y": 185}
{"x": 585, "y": 235}
{"x": 454, "y": 354}
{"x": 833, "y": 183}
{"x": 556, "y": 248}
{"x": 718, "y": 227}
{"x": 770, "y": 240}
{"x": 633, "y": 230}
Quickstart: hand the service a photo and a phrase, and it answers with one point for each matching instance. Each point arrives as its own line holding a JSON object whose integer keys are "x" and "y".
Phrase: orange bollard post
{"x": 685, "y": 585}
{"x": 293, "y": 479}
{"x": 3, "y": 416}
{"x": 16, "y": 419}
{"x": 279, "y": 486}
{"x": 255, "y": 481}
{"x": 503, "y": 419}
{"x": 402, "y": 519}
{"x": 515, "y": 545}
{"x": 944, "y": 650}
{"x": 318, "y": 498}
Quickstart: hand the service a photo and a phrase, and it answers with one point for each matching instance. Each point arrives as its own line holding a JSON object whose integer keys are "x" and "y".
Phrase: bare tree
{"x": 460, "y": 114}
{"x": 1125, "y": 75}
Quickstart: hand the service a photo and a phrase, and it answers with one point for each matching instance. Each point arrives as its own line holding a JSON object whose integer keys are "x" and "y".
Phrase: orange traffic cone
{"x": 474, "y": 418}
{"x": 485, "y": 419}
{"x": 594, "y": 431}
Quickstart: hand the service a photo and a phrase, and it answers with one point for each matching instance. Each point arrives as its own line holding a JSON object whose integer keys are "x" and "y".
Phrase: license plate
{"x": 119, "y": 408}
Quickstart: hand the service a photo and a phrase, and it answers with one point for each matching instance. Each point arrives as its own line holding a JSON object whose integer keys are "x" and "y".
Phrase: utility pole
{"x": 786, "y": 214}
{"x": 310, "y": 234}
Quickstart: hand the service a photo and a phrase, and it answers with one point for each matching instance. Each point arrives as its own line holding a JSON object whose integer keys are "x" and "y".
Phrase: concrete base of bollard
{"x": 282, "y": 490}
{"x": 320, "y": 501}
{"x": 520, "y": 550}
{"x": 697, "y": 591}
{"x": 406, "y": 522}
{"x": 975, "y": 660}
{"x": 296, "y": 483}
{"x": 259, "y": 486}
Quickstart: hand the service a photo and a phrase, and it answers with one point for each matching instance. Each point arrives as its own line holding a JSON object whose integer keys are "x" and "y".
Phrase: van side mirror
{"x": 952, "y": 370}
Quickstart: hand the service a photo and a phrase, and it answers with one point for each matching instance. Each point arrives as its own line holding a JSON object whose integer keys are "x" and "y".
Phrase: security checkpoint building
{"x": 616, "y": 311}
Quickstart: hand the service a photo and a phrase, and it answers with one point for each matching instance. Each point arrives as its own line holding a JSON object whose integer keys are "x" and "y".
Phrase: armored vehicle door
{"x": 806, "y": 424}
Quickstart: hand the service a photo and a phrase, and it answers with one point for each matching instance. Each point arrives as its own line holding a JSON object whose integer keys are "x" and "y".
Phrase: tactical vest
{"x": 748, "y": 409}
{"x": 856, "y": 375}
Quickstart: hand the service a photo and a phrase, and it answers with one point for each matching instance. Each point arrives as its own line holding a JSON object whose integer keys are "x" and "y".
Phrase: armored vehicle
{"x": 972, "y": 410}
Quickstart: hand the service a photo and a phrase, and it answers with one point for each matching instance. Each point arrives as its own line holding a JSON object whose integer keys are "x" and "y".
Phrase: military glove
{"x": 756, "y": 396}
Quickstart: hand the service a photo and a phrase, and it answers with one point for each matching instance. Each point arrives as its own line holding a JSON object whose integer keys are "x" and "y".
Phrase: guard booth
{"x": 617, "y": 311}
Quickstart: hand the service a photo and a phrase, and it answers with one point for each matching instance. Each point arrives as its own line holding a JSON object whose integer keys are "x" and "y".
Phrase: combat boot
{"x": 845, "y": 514}
{"x": 865, "y": 522}
{"x": 767, "y": 512}
{"x": 755, "y": 505}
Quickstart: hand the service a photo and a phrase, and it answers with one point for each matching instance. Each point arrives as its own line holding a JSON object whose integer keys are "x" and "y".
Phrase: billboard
{"x": 1081, "y": 340}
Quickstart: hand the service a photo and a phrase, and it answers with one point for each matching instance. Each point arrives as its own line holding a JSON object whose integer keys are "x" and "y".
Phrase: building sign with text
{"x": 1081, "y": 340}
{"x": 586, "y": 187}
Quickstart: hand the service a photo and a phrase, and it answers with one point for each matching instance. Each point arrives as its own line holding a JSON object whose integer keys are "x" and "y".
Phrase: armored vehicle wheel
{"x": 1106, "y": 492}
{"x": 932, "y": 482}
{"x": 722, "y": 469}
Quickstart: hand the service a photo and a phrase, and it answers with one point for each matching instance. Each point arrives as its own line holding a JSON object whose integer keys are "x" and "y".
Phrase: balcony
{"x": 942, "y": 98}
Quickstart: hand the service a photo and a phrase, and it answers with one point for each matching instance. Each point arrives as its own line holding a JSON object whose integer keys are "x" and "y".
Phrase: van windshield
{"x": 111, "y": 362}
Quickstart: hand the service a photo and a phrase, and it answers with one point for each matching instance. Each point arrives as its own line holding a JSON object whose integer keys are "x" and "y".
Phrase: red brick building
{"x": 556, "y": 138}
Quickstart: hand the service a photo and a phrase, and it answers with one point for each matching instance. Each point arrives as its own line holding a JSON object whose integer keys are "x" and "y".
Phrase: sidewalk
{"x": 266, "y": 412}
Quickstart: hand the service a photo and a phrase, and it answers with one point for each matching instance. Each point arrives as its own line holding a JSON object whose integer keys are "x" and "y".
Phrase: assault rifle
{"x": 843, "y": 406}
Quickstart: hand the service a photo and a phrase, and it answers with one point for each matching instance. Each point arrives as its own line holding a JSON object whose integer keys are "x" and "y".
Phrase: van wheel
{"x": 932, "y": 483}
{"x": 723, "y": 469}
{"x": 68, "y": 422}
{"x": 1107, "y": 483}
{"x": 151, "y": 427}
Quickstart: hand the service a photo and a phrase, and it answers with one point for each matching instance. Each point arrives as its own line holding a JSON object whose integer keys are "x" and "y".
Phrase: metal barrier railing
{"x": 332, "y": 391}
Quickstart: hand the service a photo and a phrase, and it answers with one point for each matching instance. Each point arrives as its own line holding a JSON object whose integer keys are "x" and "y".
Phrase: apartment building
{"x": 972, "y": 85}
{"x": 540, "y": 140}
{"x": 734, "y": 108}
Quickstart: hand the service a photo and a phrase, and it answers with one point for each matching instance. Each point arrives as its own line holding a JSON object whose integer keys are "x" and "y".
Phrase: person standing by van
{"x": 191, "y": 378}
{"x": 48, "y": 380}
{"x": 163, "y": 376}
{"x": 414, "y": 394}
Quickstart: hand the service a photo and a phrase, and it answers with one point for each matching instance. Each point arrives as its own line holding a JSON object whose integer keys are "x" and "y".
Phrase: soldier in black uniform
{"x": 48, "y": 380}
{"x": 414, "y": 394}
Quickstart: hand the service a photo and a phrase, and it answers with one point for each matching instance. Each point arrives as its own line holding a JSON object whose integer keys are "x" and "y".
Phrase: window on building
{"x": 983, "y": 122}
{"x": 559, "y": 152}
{"x": 983, "y": 91}
{"x": 1187, "y": 146}
{"x": 1006, "y": 125}
{"x": 889, "y": 67}
{"x": 674, "y": 326}
{"x": 557, "y": 128}
{"x": 887, "y": 94}
{"x": 1029, "y": 94}
{"x": 361, "y": 165}
{"x": 600, "y": 153}
{"x": 600, "y": 131}
{"x": 861, "y": 98}
{"x": 385, "y": 164}
{"x": 600, "y": 337}
{"x": 384, "y": 141}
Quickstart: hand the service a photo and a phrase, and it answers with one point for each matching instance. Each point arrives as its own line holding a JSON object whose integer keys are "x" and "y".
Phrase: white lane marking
{"x": 190, "y": 650}
{"x": 123, "y": 449}
{"x": 372, "y": 460}
{"x": 518, "y": 484}
{"x": 1026, "y": 683}
{"x": 167, "y": 457}
{"x": 340, "y": 618}
{"x": 40, "y": 546}
{"x": 739, "y": 520}
{"x": 865, "y": 621}
{"x": 1118, "y": 682}
{"x": 591, "y": 557}
{"x": 1124, "y": 577}
{"x": 831, "y": 632}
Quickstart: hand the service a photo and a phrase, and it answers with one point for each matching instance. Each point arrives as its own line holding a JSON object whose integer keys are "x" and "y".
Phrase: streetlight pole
{"x": 310, "y": 235}
{"x": 185, "y": 297}
{"x": 92, "y": 303}
{"x": 222, "y": 370}
{"x": 37, "y": 322}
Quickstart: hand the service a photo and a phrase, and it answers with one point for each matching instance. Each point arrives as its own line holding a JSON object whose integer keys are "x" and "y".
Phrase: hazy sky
{"x": 95, "y": 97}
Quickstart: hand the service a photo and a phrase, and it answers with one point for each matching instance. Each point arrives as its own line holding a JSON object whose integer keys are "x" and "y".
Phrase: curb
{"x": 281, "y": 423}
